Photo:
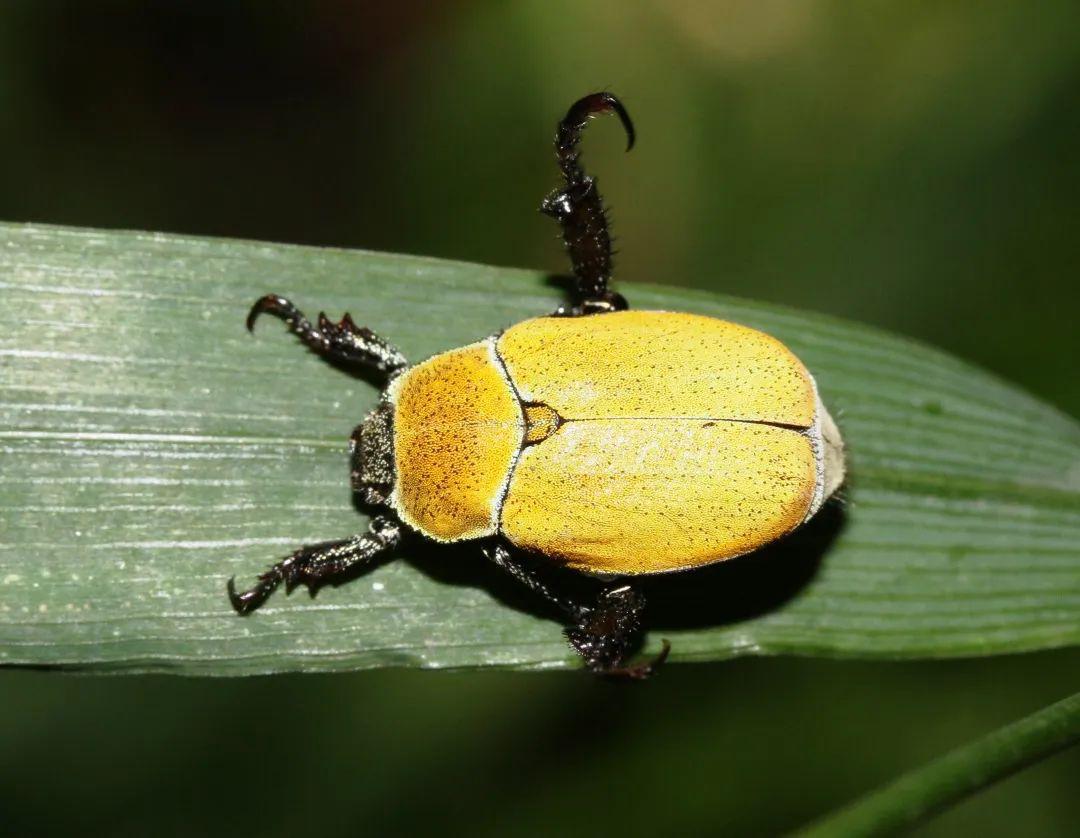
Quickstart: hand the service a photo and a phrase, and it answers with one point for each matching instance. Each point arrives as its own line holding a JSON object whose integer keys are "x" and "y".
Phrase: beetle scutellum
{"x": 614, "y": 442}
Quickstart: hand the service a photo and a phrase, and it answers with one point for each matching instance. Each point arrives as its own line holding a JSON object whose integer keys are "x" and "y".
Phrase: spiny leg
{"x": 605, "y": 634}
{"x": 315, "y": 564}
{"x": 344, "y": 342}
{"x": 579, "y": 209}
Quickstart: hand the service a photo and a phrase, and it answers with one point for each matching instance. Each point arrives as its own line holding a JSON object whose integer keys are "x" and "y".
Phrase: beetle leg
{"x": 607, "y": 633}
{"x": 604, "y": 634}
{"x": 580, "y": 211}
{"x": 527, "y": 576}
{"x": 344, "y": 341}
{"x": 315, "y": 564}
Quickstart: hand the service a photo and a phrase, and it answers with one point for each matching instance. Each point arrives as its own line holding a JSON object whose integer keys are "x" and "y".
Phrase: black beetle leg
{"x": 604, "y": 634}
{"x": 525, "y": 575}
{"x": 607, "y": 633}
{"x": 316, "y": 564}
{"x": 580, "y": 211}
{"x": 343, "y": 342}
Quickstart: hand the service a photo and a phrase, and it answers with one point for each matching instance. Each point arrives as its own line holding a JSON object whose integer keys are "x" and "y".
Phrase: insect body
{"x": 615, "y": 442}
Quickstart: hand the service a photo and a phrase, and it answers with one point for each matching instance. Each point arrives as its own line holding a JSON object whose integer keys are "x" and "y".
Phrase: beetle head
{"x": 372, "y": 452}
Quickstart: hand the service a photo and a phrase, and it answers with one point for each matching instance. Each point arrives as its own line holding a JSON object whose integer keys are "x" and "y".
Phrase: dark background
{"x": 911, "y": 165}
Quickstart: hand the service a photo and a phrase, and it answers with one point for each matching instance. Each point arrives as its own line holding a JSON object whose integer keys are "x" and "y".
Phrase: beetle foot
{"x": 246, "y": 602}
{"x": 290, "y": 571}
{"x": 607, "y": 633}
{"x": 644, "y": 669}
{"x": 276, "y": 305}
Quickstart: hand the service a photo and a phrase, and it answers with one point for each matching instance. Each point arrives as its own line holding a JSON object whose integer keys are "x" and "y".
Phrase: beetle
{"x": 614, "y": 442}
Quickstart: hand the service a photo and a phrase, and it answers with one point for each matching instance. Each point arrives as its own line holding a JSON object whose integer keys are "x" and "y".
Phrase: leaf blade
{"x": 151, "y": 448}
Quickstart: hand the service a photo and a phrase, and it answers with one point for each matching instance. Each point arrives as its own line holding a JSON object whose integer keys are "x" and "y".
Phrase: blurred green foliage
{"x": 911, "y": 165}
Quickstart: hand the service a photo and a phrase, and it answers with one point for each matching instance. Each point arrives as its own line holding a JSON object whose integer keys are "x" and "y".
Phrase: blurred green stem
{"x": 946, "y": 781}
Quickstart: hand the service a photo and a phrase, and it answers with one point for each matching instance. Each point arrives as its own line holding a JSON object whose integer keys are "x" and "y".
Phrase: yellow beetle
{"x": 618, "y": 443}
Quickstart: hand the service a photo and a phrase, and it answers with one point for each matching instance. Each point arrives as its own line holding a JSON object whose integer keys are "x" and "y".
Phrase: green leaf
{"x": 151, "y": 449}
